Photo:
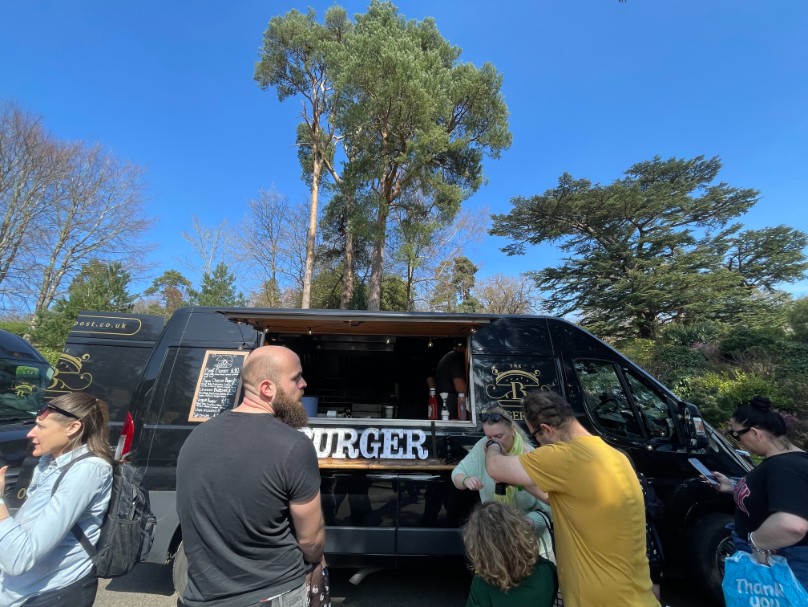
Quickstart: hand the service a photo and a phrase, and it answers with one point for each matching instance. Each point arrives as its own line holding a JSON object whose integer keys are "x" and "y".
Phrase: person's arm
{"x": 536, "y": 492}
{"x": 463, "y": 475}
{"x": 307, "y": 517}
{"x": 506, "y": 469}
{"x": 780, "y": 530}
{"x": 22, "y": 548}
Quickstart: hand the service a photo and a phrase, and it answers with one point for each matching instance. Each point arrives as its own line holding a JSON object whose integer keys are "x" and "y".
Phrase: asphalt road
{"x": 150, "y": 586}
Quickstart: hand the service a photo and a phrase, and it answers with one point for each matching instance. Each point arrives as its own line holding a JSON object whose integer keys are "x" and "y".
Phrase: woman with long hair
{"x": 771, "y": 514}
{"x": 42, "y": 562}
{"x": 470, "y": 474}
{"x": 504, "y": 555}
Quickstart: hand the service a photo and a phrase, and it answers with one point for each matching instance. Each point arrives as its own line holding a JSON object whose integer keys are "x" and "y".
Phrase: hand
{"x": 761, "y": 557}
{"x": 491, "y": 442}
{"x": 724, "y": 484}
{"x": 3, "y": 480}
{"x": 472, "y": 483}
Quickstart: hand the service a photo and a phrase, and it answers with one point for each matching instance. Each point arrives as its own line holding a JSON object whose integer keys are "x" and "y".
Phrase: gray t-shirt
{"x": 236, "y": 475}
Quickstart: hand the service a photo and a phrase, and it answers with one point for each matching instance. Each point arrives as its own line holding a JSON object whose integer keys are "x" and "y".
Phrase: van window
{"x": 22, "y": 387}
{"x": 653, "y": 407}
{"x": 604, "y": 397}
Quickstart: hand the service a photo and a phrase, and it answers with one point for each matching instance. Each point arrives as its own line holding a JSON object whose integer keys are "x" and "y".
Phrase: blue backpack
{"x": 127, "y": 531}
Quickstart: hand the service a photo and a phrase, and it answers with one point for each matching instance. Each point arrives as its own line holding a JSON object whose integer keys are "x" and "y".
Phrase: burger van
{"x": 386, "y": 493}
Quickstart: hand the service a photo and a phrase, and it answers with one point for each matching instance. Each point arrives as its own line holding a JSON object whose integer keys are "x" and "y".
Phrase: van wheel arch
{"x": 710, "y": 544}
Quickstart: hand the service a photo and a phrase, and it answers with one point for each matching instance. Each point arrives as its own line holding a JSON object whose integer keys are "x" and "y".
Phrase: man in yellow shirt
{"x": 597, "y": 501}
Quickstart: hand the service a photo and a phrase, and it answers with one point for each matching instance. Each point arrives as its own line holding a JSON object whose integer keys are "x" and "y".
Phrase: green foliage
{"x": 641, "y": 351}
{"x": 454, "y": 294}
{"x": 173, "y": 291}
{"x": 394, "y": 295}
{"x": 219, "y": 289}
{"x": 673, "y": 363}
{"x": 704, "y": 331}
{"x": 744, "y": 340}
{"x": 798, "y": 318}
{"x": 655, "y": 247}
{"x": 719, "y": 394}
{"x": 18, "y": 327}
{"x": 98, "y": 286}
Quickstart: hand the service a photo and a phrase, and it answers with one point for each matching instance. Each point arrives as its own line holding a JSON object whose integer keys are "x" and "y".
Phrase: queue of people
{"x": 248, "y": 499}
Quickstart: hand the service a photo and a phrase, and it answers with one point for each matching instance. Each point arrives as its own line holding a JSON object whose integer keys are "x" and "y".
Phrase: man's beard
{"x": 290, "y": 411}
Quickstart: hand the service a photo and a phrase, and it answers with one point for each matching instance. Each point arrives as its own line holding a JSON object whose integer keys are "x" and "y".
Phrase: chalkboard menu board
{"x": 218, "y": 384}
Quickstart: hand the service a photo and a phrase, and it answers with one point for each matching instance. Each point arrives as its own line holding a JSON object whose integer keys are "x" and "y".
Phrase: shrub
{"x": 759, "y": 340}
{"x": 674, "y": 363}
{"x": 641, "y": 351}
{"x": 687, "y": 335}
{"x": 719, "y": 394}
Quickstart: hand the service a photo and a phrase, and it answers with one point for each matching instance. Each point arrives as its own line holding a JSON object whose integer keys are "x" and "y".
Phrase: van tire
{"x": 710, "y": 545}
{"x": 179, "y": 572}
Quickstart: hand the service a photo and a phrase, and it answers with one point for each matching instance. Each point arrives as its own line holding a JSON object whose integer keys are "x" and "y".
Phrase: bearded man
{"x": 248, "y": 493}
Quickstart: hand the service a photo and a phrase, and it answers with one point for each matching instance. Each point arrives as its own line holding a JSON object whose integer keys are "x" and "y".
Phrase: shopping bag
{"x": 747, "y": 583}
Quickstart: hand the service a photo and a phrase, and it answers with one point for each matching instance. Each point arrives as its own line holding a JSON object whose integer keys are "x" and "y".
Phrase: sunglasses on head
{"x": 47, "y": 408}
{"x": 492, "y": 417}
{"x": 736, "y": 434}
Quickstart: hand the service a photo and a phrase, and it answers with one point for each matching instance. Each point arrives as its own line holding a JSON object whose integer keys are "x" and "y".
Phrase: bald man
{"x": 248, "y": 493}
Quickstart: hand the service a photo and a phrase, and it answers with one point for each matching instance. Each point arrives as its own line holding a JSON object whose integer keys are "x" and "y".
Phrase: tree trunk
{"x": 377, "y": 261}
{"x": 315, "y": 187}
{"x": 348, "y": 279}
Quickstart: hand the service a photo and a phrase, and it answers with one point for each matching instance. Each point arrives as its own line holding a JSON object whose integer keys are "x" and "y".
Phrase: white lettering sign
{"x": 372, "y": 443}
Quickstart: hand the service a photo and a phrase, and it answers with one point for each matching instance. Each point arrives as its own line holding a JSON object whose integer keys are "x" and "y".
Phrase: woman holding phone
{"x": 771, "y": 514}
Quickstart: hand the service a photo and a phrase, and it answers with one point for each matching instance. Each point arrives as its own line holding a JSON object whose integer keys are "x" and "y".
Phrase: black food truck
{"x": 386, "y": 493}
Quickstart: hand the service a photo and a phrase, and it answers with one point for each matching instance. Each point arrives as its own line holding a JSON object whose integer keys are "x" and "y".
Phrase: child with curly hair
{"x": 504, "y": 554}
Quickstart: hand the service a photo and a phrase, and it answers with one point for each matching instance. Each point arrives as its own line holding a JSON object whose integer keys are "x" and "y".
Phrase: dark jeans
{"x": 78, "y": 594}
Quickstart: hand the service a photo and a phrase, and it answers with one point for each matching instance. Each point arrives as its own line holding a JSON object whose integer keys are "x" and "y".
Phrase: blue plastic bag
{"x": 747, "y": 583}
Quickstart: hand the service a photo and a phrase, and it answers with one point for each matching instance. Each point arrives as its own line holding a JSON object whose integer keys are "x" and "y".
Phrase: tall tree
{"x": 219, "y": 289}
{"x": 97, "y": 286}
{"x": 653, "y": 247}
{"x": 294, "y": 61}
{"x": 500, "y": 294}
{"x": 271, "y": 241}
{"x": 31, "y": 164}
{"x": 172, "y": 291}
{"x": 415, "y": 117}
{"x": 211, "y": 246}
{"x": 454, "y": 293}
{"x": 97, "y": 214}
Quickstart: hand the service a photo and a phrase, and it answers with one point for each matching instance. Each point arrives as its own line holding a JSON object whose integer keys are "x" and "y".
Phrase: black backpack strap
{"x": 76, "y": 529}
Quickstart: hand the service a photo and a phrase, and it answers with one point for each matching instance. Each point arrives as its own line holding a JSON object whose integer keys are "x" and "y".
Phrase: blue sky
{"x": 593, "y": 86}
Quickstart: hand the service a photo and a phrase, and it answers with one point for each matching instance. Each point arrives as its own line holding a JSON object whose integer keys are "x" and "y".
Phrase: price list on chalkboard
{"x": 218, "y": 384}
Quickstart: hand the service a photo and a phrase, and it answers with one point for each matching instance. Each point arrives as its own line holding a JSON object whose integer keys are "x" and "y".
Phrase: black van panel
{"x": 104, "y": 355}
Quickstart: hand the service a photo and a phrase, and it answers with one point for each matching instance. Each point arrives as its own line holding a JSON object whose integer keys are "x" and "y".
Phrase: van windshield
{"x": 22, "y": 387}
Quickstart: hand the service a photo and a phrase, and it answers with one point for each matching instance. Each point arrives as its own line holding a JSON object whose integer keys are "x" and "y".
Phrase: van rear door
{"x": 104, "y": 355}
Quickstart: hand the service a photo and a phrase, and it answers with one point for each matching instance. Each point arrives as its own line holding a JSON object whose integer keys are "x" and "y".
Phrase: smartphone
{"x": 703, "y": 471}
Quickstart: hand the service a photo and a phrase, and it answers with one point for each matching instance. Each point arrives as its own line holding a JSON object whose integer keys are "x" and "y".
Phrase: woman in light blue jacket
{"x": 42, "y": 563}
{"x": 470, "y": 474}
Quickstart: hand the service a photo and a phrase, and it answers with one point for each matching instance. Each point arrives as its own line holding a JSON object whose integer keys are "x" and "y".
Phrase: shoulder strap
{"x": 76, "y": 528}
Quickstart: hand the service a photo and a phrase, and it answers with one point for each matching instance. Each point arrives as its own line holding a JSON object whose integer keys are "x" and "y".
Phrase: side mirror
{"x": 694, "y": 426}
